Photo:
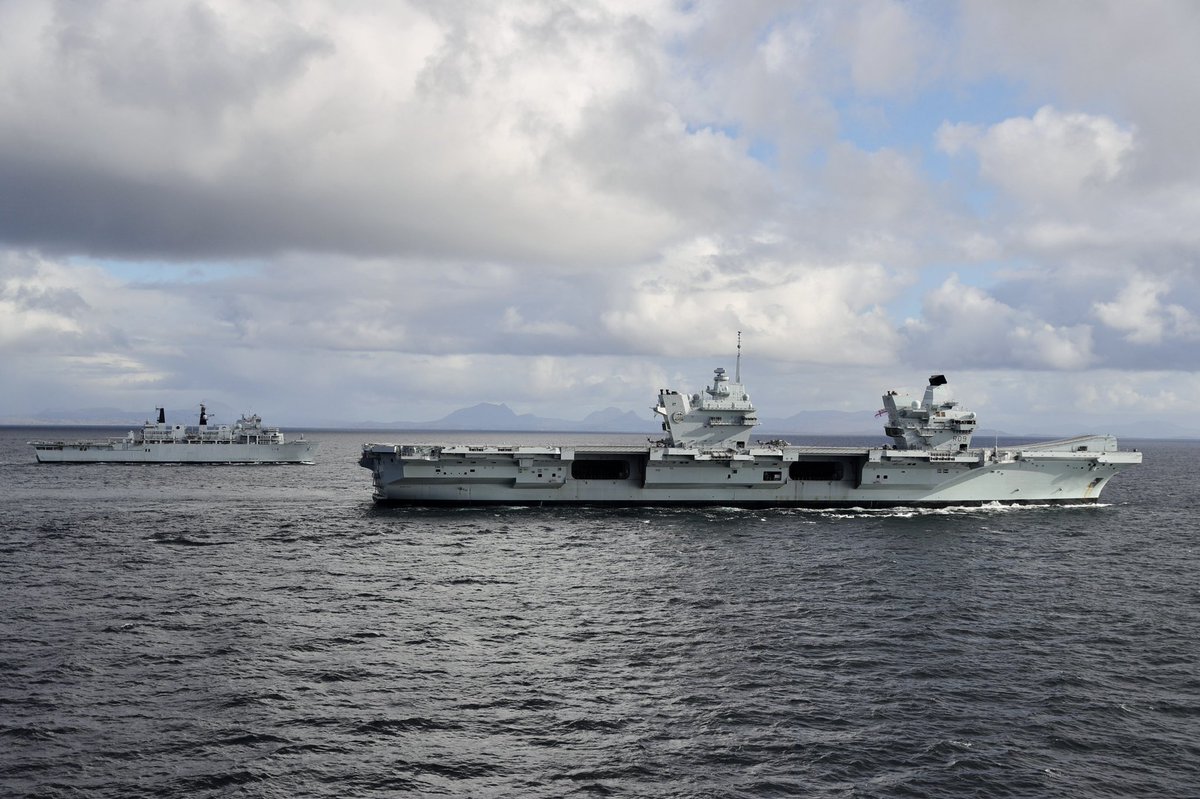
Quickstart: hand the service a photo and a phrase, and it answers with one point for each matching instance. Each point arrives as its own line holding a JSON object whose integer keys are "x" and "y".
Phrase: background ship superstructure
{"x": 246, "y": 441}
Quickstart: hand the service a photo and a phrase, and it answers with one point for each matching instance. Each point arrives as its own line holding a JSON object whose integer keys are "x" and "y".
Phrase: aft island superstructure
{"x": 709, "y": 458}
{"x": 246, "y": 441}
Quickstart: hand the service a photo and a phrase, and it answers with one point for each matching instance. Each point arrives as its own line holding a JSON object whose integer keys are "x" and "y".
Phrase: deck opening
{"x": 816, "y": 470}
{"x": 600, "y": 469}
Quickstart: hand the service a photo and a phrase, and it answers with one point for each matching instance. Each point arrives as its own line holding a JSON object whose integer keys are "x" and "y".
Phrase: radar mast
{"x": 737, "y": 366}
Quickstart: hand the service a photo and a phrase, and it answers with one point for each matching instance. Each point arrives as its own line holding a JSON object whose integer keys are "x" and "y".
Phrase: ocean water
{"x": 210, "y": 631}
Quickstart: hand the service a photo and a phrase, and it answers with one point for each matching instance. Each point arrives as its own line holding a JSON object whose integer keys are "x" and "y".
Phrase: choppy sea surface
{"x": 267, "y": 631}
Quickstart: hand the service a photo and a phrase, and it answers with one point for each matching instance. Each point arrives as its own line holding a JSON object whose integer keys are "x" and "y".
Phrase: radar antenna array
{"x": 737, "y": 369}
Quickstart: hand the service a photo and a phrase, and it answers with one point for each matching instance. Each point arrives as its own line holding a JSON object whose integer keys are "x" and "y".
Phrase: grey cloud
{"x": 175, "y": 154}
{"x": 68, "y": 208}
{"x": 178, "y": 57}
{"x": 65, "y": 302}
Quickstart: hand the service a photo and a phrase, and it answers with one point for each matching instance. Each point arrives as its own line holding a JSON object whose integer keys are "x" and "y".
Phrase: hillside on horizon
{"x": 498, "y": 417}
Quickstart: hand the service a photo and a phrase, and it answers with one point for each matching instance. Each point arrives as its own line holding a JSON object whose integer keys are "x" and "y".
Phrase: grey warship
{"x": 708, "y": 457}
{"x": 246, "y": 441}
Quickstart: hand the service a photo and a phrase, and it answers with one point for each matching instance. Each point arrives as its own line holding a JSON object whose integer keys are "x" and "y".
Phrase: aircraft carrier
{"x": 708, "y": 457}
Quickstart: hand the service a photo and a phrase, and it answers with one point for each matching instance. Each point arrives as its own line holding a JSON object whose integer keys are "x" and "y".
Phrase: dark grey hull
{"x": 747, "y": 505}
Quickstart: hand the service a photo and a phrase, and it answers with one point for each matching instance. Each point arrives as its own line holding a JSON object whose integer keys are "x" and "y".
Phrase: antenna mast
{"x": 737, "y": 370}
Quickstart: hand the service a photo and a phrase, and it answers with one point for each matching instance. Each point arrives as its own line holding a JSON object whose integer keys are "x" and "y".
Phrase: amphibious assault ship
{"x": 709, "y": 458}
{"x": 246, "y": 441}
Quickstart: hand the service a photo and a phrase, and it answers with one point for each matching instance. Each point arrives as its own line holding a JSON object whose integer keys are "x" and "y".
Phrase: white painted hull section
{"x": 1073, "y": 471}
{"x": 156, "y": 452}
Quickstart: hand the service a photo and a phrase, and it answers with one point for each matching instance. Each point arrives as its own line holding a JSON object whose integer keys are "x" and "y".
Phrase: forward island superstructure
{"x": 246, "y": 441}
{"x": 708, "y": 457}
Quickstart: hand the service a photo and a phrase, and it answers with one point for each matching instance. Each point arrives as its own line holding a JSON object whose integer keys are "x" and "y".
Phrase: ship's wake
{"x": 908, "y": 512}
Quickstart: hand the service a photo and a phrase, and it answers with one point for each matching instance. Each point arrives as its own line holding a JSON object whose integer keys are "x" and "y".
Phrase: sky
{"x": 336, "y": 212}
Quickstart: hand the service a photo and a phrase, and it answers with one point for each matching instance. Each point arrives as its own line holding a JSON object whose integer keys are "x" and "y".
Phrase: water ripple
{"x": 291, "y": 639}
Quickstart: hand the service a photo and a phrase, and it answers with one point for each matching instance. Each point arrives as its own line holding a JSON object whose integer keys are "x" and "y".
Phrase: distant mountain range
{"x": 487, "y": 416}
{"x": 499, "y": 417}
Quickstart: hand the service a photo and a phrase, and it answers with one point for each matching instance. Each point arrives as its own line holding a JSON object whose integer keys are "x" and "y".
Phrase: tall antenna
{"x": 737, "y": 370}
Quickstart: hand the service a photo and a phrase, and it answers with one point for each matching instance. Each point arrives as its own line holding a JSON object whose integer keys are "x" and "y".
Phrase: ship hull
{"x": 811, "y": 504}
{"x": 209, "y": 452}
{"x": 1069, "y": 472}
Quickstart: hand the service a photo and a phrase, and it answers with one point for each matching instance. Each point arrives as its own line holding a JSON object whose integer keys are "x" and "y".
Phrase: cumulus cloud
{"x": 1049, "y": 156}
{"x": 888, "y": 41}
{"x": 794, "y": 312}
{"x": 1140, "y": 314}
{"x": 1132, "y": 59}
{"x": 964, "y": 326}
{"x": 787, "y": 50}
